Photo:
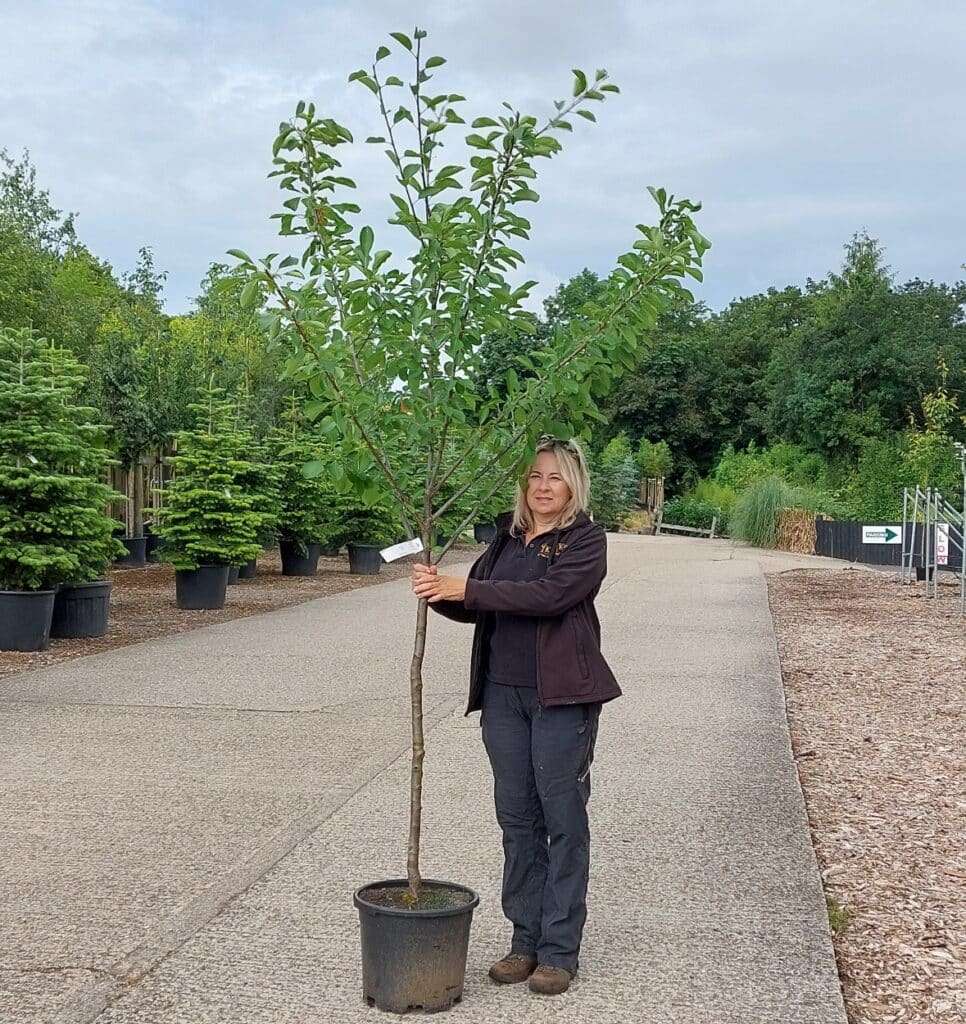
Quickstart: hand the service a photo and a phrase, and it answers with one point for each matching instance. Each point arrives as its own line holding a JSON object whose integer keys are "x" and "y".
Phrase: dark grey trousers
{"x": 541, "y": 770}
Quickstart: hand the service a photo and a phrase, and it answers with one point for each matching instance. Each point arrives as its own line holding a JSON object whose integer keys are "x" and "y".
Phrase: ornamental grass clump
{"x": 388, "y": 344}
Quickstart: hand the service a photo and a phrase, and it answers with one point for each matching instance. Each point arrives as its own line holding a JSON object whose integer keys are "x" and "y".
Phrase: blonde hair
{"x": 573, "y": 469}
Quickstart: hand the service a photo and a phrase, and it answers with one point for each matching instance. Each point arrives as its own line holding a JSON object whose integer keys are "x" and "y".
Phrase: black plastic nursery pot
{"x": 414, "y": 959}
{"x": 247, "y": 571}
{"x": 137, "y": 552}
{"x": 299, "y": 558}
{"x": 201, "y": 589}
{"x": 81, "y": 609}
{"x": 25, "y": 617}
{"x": 153, "y": 542}
{"x": 364, "y": 559}
{"x": 233, "y": 573}
{"x": 483, "y": 533}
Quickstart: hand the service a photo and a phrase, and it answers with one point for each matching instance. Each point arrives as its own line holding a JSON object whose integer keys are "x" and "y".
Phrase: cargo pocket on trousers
{"x": 589, "y": 731}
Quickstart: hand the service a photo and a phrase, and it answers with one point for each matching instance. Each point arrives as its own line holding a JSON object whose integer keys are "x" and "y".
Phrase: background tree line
{"x": 850, "y": 386}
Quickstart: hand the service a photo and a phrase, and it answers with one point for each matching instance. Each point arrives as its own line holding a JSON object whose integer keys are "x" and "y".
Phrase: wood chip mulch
{"x": 875, "y": 680}
{"x": 143, "y": 605}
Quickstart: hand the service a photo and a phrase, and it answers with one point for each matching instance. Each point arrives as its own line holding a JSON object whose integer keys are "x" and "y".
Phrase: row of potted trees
{"x": 56, "y": 538}
{"x": 231, "y": 497}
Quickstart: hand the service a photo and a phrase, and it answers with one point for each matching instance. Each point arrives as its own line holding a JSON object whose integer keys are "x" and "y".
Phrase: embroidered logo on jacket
{"x": 545, "y": 550}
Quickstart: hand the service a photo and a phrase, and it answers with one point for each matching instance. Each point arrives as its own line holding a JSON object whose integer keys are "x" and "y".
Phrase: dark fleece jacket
{"x": 570, "y": 666}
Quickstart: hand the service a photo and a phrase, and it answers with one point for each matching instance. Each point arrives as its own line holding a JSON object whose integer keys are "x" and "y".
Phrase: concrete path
{"x": 184, "y": 822}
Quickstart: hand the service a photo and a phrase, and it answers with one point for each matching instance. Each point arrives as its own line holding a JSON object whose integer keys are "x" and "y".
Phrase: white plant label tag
{"x": 407, "y": 547}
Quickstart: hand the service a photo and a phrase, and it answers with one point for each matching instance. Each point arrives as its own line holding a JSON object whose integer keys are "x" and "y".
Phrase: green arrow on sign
{"x": 890, "y": 534}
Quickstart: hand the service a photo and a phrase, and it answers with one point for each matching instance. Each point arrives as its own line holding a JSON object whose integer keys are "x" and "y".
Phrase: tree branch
{"x": 404, "y": 503}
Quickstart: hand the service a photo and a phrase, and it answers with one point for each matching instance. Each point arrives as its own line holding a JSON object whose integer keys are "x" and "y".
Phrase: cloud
{"x": 795, "y": 124}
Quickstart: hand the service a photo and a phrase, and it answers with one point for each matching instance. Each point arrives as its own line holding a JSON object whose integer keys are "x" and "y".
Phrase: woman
{"x": 539, "y": 678}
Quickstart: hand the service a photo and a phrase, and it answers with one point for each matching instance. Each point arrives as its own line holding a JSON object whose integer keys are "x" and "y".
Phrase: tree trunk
{"x": 419, "y": 752}
{"x": 137, "y": 495}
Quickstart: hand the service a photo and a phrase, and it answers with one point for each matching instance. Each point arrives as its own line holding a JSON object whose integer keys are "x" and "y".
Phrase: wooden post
{"x": 714, "y": 523}
{"x": 137, "y": 499}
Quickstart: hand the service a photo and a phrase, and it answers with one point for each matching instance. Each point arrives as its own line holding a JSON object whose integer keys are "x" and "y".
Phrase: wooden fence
{"x": 143, "y": 488}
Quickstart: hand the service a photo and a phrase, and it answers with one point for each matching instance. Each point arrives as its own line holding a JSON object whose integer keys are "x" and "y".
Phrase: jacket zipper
{"x": 553, "y": 555}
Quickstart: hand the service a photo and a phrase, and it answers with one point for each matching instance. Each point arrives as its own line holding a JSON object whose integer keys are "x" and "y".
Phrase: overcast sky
{"x": 794, "y": 123}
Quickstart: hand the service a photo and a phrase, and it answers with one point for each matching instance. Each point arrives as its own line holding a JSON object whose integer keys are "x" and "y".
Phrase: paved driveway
{"x": 184, "y": 821}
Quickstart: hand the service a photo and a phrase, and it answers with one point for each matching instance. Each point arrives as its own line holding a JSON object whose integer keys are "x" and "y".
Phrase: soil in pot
{"x": 414, "y": 958}
{"x": 298, "y": 559}
{"x": 364, "y": 559}
{"x": 201, "y": 589}
{"x": 25, "y": 617}
{"x": 81, "y": 610}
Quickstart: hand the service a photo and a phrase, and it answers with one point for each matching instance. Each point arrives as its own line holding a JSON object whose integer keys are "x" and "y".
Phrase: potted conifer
{"x": 53, "y": 528}
{"x": 303, "y": 516}
{"x": 389, "y": 349}
{"x": 261, "y": 483}
{"x": 207, "y": 523}
{"x": 366, "y": 529}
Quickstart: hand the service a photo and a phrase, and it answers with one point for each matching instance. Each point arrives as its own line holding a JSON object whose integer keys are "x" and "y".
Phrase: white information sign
{"x": 942, "y": 543}
{"x": 881, "y": 534}
{"x": 407, "y": 547}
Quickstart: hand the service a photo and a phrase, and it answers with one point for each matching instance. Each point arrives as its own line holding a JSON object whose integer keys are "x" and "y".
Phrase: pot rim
{"x": 390, "y": 883}
{"x": 28, "y": 593}
{"x": 87, "y": 583}
{"x": 367, "y": 547}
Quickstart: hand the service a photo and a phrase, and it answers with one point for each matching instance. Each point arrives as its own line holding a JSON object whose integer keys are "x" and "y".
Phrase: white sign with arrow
{"x": 881, "y": 534}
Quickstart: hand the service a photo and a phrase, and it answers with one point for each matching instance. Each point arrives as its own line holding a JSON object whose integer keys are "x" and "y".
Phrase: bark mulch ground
{"x": 875, "y": 680}
{"x": 143, "y": 605}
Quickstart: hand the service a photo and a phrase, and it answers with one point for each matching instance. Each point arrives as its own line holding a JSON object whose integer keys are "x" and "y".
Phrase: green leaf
{"x": 586, "y": 114}
{"x": 435, "y": 62}
{"x": 580, "y": 81}
{"x": 240, "y": 255}
{"x": 366, "y": 238}
{"x": 382, "y": 52}
{"x": 485, "y": 122}
{"x": 403, "y": 40}
{"x": 393, "y": 80}
{"x": 249, "y": 294}
{"x": 375, "y": 138}
{"x": 609, "y": 88}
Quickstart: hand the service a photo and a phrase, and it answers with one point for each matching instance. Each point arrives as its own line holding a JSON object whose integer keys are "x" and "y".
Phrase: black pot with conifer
{"x": 367, "y": 529}
{"x": 56, "y": 534}
{"x": 305, "y": 496}
{"x": 208, "y": 522}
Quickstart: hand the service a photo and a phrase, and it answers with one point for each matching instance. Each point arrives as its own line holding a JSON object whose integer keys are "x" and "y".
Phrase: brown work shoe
{"x": 550, "y": 981}
{"x": 513, "y": 969}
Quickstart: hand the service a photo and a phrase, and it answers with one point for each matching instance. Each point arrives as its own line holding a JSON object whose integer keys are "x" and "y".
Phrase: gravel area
{"x": 875, "y": 676}
{"x": 143, "y": 605}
